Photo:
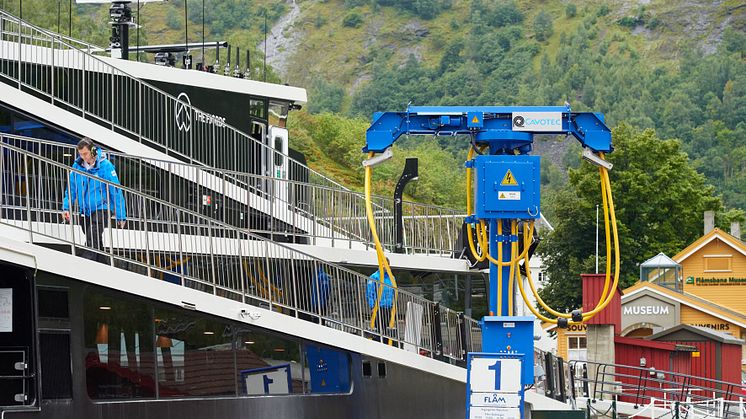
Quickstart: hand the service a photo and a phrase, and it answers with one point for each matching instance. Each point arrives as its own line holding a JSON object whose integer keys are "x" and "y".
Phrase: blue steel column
{"x": 493, "y": 269}
{"x": 506, "y": 243}
{"x": 496, "y": 241}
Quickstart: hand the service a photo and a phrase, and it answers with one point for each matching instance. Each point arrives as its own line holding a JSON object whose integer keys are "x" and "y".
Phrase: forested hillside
{"x": 670, "y": 75}
{"x": 674, "y": 66}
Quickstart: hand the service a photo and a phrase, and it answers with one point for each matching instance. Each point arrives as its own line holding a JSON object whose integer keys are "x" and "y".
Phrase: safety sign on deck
{"x": 509, "y": 179}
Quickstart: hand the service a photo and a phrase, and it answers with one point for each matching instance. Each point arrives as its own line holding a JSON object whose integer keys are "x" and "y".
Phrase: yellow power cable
{"x": 499, "y": 269}
{"x": 513, "y": 266}
{"x": 607, "y": 233}
{"x": 604, "y": 193}
{"x": 485, "y": 245}
{"x": 481, "y": 229}
{"x": 609, "y": 297}
{"x": 383, "y": 266}
{"x": 470, "y": 237}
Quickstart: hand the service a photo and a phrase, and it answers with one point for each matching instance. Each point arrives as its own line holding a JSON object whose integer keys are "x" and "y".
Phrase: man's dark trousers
{"x": 93, "y": 227}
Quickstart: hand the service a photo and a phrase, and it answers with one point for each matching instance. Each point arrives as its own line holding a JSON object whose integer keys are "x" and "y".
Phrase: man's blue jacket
{"x": 90, "y": 193}
{"x": 387, "y": 296}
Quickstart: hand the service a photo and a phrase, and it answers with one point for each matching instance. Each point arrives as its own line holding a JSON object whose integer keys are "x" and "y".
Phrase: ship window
{"x": 381, "y": 369}
{"x": 258, "y": 108}
{"x": 119, "y": 356}
{"x": 53, "y": 303}
{"x": 5, "y": 122}
{"x": 278, "y": 114}
{"x": 278, "y": 151}
{"x": 194, "y": 355}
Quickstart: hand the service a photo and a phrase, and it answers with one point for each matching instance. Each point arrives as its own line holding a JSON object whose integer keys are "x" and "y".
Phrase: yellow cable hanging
{"x": 586, "y": 316}
{"x": 470, "y": 237}
{"x": 513, "y": 266}
{"x": 608, "y": 264}
{"x": 383, "y": 266}
{"x": 499, "y": 271}
{"x": 607, "y": 233}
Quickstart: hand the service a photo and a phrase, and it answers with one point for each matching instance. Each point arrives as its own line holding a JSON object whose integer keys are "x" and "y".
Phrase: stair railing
{"x": 191, "y": 250}
{"x": 301, "y": 212}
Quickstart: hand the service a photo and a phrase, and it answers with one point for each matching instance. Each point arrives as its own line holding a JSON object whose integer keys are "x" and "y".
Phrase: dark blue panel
{"x": 330, "y": 370}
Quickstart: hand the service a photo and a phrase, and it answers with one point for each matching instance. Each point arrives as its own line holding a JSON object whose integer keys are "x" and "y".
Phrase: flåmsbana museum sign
{"x": 716, "y": 281}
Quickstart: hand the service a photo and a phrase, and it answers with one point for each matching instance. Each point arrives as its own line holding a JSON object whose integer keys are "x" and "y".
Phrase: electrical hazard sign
{"x": 509, "y": 196}
{"x": 509, "y": 179}
{"x": 475, "y": 119}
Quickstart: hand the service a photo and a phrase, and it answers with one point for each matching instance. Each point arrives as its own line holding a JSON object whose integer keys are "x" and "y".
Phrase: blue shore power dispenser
{"x": 505, "y": 191}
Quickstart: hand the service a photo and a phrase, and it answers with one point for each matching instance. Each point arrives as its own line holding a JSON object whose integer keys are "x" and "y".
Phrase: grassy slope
{"x": 343, "y": 55}
{"x": 346, "y": 55}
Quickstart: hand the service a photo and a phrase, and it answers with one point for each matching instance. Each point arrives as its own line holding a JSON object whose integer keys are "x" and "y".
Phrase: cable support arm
{"x": 502, "y": 127}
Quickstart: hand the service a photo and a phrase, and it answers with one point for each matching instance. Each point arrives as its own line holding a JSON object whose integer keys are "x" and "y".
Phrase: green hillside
{"x": 669, "y": 75}
{"x": 676, "y": 66}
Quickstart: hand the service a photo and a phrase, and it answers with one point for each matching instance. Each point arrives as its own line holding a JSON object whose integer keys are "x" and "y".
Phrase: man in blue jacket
{"x": 387, "y": 297}
{"x": 95, "y": 200}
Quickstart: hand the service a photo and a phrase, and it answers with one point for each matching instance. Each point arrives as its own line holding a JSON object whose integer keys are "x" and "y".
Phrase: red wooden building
{"x": 717, "y": 356}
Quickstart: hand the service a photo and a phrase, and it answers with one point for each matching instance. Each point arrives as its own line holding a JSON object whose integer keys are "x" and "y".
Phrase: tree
{"x": 543, "y": 26}
{"x": 659, "y": 200}
{"x": 571, "y": 10}
{"x": 326, "y": 96}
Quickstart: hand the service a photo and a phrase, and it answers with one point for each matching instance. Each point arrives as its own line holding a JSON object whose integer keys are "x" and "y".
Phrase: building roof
{"x": 716, "y": 233}
{"x": 668, "y": 346}
{"x": 705, "y": 332}
{"x": 660, "y": 261}
{"x": 689, "y": 300}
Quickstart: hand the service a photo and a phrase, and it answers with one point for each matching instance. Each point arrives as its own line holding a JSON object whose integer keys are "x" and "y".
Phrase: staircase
{"x": 288, "y": 211}
{"x": 64, "y": 73}
{"x": 171, "y": 243}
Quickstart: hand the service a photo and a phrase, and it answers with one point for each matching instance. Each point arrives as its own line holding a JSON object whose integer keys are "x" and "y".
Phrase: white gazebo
{"x": 663, "y": 271}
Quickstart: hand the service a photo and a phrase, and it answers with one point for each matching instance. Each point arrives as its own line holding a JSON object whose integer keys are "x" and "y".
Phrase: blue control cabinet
{"x": 329, "y": 369}
{"x": 507, "y": 186}
{"x": 511, "y": 335}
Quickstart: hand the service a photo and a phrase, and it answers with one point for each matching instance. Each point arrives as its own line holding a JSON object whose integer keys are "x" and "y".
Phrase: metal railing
{"x": 285, "y": 210}
{"x": 642, "y": 386}
{"x": 66, "y": 74}
{"x": 164, "y": 241}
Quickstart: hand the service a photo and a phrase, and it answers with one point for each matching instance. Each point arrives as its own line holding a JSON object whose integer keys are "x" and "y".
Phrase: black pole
{"x": 437, "y": 333}
{"x": 137, "y": 54}
{"x": 59, "y": 11}
{"x": 462, "y": 327}
{"x": 247, "y": 73}
{"x": 237, "y": 70}
{"x": 70, "y": 19}
{"x": 20, "y": 14}
{"x": 265, "y": 44}
{"x": 467, "y": 296}
{"x": 410, "y": 173}
{"x": 204, "y": 60}
{"x": 186, "y": 28}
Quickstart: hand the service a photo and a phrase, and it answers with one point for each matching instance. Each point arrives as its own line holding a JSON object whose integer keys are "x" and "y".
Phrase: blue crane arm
{"x": 502, "y": 127}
